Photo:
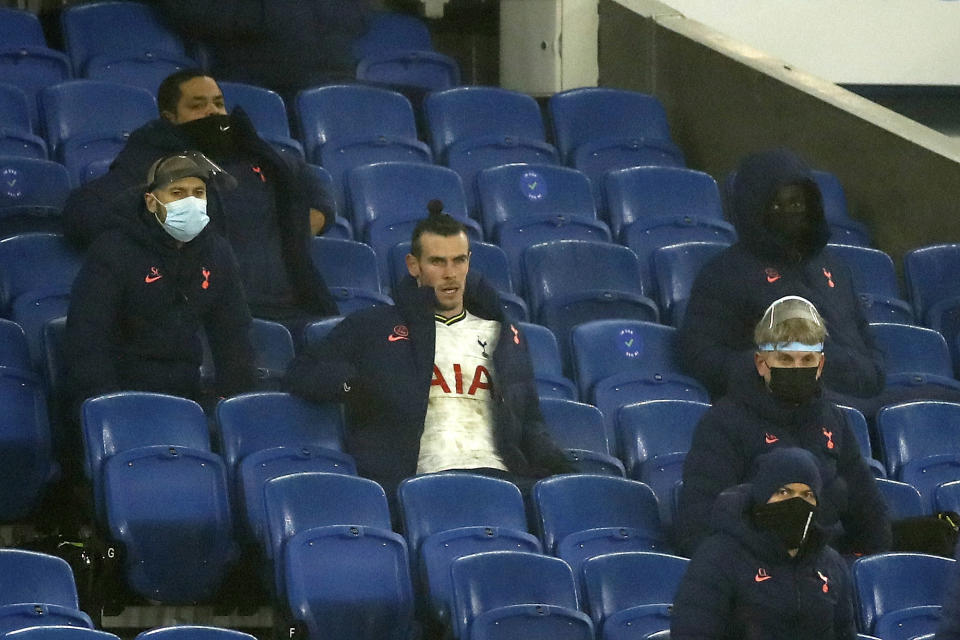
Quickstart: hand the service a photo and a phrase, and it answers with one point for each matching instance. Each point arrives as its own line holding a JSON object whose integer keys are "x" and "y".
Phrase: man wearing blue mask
{"x": 147, "y": 288}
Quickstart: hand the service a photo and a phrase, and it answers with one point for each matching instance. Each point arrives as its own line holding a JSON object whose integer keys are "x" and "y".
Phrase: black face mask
{"x": 789, "y": 520}
{"x": 213, "y": 135}
{"x": 794, "y": 384}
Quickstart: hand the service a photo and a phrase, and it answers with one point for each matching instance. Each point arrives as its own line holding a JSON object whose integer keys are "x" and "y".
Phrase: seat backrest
{"x": 317, "y": 330}
{"x": 554, "y": 269}
{"x": 20, "y": 28}
{"x": 93, "y": 108}
{"x": 266, "y": 108}
{"x": 28, "y": 576}
{"x": 27, "y": 456}
{"x": 31, "y": 70}
{"x": 487, "y": 259}
{"x": 341, "y": 112}
{"x": 834, "y": 197}
{"x": 656, "y": 428}
{"x": 346, "y": 263}
{"x": 398, "y": 191}
{"x": 929, "y": 273}
{"x": 872, "y": 269}
{"x": 35, "y": 262}
{"x": 947, "y": 497}
{"x": 618, "y": 581}
{"x": 302, "y": 501}
{"x": 570, "y": 503}
{"x": 543, "y": 348}
{"x": 424, "y": 70}
{"x": 528, "y": 190}
{"x": 903, "y": 500}
{"x": 390, "y": 31}
{"x": 604, "y": 348}
{"x": 581, "y": 115}
{"x": 442, "y": 501}
{"x": 462, "y": 113}
{"x": 911, "y": 349}
{"x": 887, "y": 582}
{"x": 272, "y": 347}
{"x": 14, "y": 351}
{"x": 646, "y": 193}
{"x": 255, "y": 421}
{"x": 914, "y": 430}
{"x": 676, "y": 267}
{"x": 14, "y": 108}
{"x": 486, "y": 581}
{"x": 31, "y": 184}
{"x": 115, "y": 29}
{"x": 574, "y": 425}
{"x": 858, "y": 425}
{"x": 193, "y": 632}
{"x": 60, "y": 632}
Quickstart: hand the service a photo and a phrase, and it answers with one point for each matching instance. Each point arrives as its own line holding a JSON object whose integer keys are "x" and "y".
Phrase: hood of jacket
{"x": 755, "y": 184}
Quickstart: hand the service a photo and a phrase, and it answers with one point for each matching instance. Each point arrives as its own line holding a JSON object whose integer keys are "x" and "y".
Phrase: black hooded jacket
{"x": 102, "y": 203}
{"x": 734, "y": 289}
{"x": 742, "y": 584}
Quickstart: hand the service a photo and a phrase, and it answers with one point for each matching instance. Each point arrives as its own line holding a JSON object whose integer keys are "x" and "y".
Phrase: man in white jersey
{"x": 440, "y": 381}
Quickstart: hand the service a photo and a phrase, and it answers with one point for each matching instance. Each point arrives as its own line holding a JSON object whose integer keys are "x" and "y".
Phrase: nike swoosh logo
{"x": 762, "y": 578}
{"x": 771, "y": 439}
{"x": 772, "y": 279}
{"x": 149, "y": 279}
{"x": 224, "y": 127}
{"x": 393, "y": 338}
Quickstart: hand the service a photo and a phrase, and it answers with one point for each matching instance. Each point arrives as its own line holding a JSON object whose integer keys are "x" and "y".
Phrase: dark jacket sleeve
{"x": 866, "y": 520}
{"x": 228, "y": 328}
{"x": 712, "y": 465}
{"x": 327, "y": 372}
{"x": 703, "y": 606}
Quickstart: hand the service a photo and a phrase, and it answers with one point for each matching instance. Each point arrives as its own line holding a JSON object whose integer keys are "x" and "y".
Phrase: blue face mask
{"x": 186, "y": 218}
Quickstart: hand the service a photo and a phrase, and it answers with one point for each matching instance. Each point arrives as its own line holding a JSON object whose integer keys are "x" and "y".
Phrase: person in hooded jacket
{"x": 779, "y": 404}
{"x": 146, "y": 289}
{"x": 767, "y": 571}
{"x": 268, "y": 212}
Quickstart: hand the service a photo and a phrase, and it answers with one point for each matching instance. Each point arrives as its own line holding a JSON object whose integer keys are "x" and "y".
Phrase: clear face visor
{"x": 185, "y": 165}
{"x": 779, "y": 311}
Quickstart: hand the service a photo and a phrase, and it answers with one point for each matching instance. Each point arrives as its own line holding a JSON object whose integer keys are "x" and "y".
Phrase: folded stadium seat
{"x": 37, "y": 590}
{"x": 16, "y": 128}
{"x": 346, "y": 126}
{"x": 487, "y": 259}
{"x": 441, "y": 525}
{"x": 303, "y": 436}
{"x": 875, "y": 282}
{"x": 391, "y": 31}
{"x": 322, "y": 190}
{"x": 27, "y": 465}
{"x": 547, "y": 365}
{"x": 426, "y": 70}
{"x": 302, "y": 501}
{"x": 580, "y": 516}
{"x": 59, "y": 632}
{"x": 655, "y": 437}
{"x": 25, "y": 60}
{"x": 913, "y": 355}
{"x": 618, "y": 362}
{"x": 935, "y": 294}
{"x": 99, "y": 34}
{"x": 886, "y": 583}
{"x": 513, "y": 594}
{"x": 578, "y": 429}
{"x": 266, "y": 111}
{"x": 33, "y": 195}
{"x": 88, "y": 120}
{"x": 843, "y": 228}
{"x": 350, "y": 270}
{"x": 858, "y": 425}
{"x": 191, "y": 632}
{"x": 652, "y": 207}
{"x": 118, "y": 422}
{"x": 675, "y": 267}
{"x": 631, "y": 591}
{"x": 317, "y": 330}
{"x": 902, "y": 499}
{"x": 569, "y": 282}
{"x": 920, "y": 441}
{"x": 946, "y": 497}
{"x": 272, "y": 352}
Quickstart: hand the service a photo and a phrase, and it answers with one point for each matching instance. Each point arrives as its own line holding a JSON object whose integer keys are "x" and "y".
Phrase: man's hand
{"x": 317, "y": 220}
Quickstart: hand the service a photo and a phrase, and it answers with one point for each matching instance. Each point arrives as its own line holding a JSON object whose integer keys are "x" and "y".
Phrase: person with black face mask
{"x": 767, "y": 572}
{"x": 779, "y": 404}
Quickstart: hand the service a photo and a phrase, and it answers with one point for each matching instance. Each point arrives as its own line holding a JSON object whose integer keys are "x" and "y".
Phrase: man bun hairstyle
{"x": 436, "y": 222}
{"x": 168, "y": 95}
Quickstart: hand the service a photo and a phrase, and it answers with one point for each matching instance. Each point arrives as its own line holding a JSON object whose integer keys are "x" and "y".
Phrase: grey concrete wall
{"x": 725, "y": 100}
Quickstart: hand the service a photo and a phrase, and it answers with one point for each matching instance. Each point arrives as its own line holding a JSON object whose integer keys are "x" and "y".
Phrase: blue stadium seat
{"x": 428, "y": 70}
{"x": 118, "y": 422}
{"x": 580, "y": 516}
{"x": 35, "y": 262}
{"x": 14, "y": 352}
{"x": 675, "y": 267}
{"x": 272, "y": 350}
{"x": 25, "y": 60}
{"x": 146, "y": 71}
{"x": 888, "y": 582}
{"x": 618, "y": 362}
{"x": 33, "y": 189}
{"x": 843, "y": 228}
{"x": 579, "y": 430}
{"x": 913, "y": 355}
{"x": 561, "y": 293}
{"x": 935, "y": 295}
{"x": 59, "y": 632}
{"x": 875, "y": 282}
{"x": 909, "y": 623}
{"x": 946, "y": 497}
{"x": 192, "y": 632}
{"x": 17, "y": 136}
{"x": 266, "y": 111}
{"x": 547, "y": 365}
{"x": 512, "y": 590}
{"x": 27, "y": 465}
{"x": 21, "y": 28}
{"x": 317, "y": 330}
{"x": 89, "y": 120}
{"x": 902, "y": 499}
{"x": 858, "y": 425}
{"x": 167, "y": 502}
{"x": 632, "y": 590}
{"x": 36, "y": 590}
{"x": 390, "y": 31}
{"x": 102, "y": 32}
{"x": 365, "y": 592}
{"x": 654, "y": 438}
{"x": 350, "y": 271}
{"x": 929, "y": 472}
